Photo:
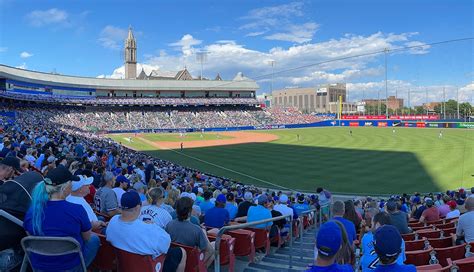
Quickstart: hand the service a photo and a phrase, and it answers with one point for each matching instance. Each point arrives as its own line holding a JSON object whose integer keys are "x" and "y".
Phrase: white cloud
{"x": 295, "y": 33}
{"x": 278, "y": 23}
{"x": 420, "y": 49}
{"x": 22, "y": 66}
{"x": 111, "y": 37}
{"x": 186, "y": 44}
{"x": 25, "y": 55}
{"x": 40, "y": 18}
{"x": 3, "y": 49}
{"x": 119, "y": 73}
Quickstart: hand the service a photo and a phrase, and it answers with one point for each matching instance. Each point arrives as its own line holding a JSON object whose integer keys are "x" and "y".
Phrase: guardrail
{"x": 217, "y": 267}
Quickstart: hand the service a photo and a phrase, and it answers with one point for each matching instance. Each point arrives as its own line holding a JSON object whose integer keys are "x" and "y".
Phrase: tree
{"x": 419, "y": 110}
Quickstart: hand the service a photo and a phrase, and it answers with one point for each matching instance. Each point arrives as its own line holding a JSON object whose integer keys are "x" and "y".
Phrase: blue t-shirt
{"x": 61, "y": 219}
{"x": 299, "y": 208}
{"x": 333, "y": 267}
{"x": 257, "y": 213}
{"x": 370, "y": 260}
{"x": 396, "y": 268}
{"x": 232, "y": 209}
{"x": 205, "y": 206}
{"x": 216, "y": 217}
{"x": 350, "y": 228}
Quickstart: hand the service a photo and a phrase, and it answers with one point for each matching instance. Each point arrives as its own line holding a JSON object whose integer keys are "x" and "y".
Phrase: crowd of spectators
{"x": 81, "y": 181}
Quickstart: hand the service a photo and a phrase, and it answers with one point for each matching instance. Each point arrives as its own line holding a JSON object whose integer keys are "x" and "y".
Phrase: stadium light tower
{"x": 385, "y": 51}
{"x": 201, "y": 57}
{"x": 272, "y": 63}
{"x": 457, "y": 99}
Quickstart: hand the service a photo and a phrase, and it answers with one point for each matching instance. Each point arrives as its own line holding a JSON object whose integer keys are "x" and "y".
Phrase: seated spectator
{"x": 155, "y": 212}
{"x": 328, "y": 243}
{"x": 105, "y": 198}
{"x": 398, "y": 218}
{"x": 260, "y": 212}
{"x": 79, "y": 189}
{"x": 141, "y": 190}
{"x": 245, "y": 205}
{"x": 182, "y": 231}
{"x": 120, "y": 187}
{"x": 418, "y": 208}
{"x": 431, "y": 213}
{"x": 351, "y": 214}
{"x": 127, "y": 232}
{"x": 454, "y": 212}
{"x": 388, "y": 246}
{"x": 301, "y": 205}
{"x": 369, "y": 260}
{"x": 9, "y": 169}
{"x": 283, "y": 208}
{"x": 206, "y": 204}
{"x": 279, "y": 224}
{"x": 444, "y": 207}
{"x": 465, "y": 228}
{"x": 230, "y": 206}
{"x": 218, "y": 216}
{"x": 51, "y": 215}
{"x": 338, "y": 212}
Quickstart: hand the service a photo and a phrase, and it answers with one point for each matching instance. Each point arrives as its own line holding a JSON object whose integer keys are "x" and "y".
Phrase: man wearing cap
{"x": 398, "y": 218}
{"x": 9, "y": 168}
{"x": 388, "y": 247}
{"x": 301, "y": 206}
{"x": 417, "y": 208}
{"x": 218, "y": 216}
{"x": 328, "y": 243}
{"x": 79, "y": 189}
{"x": 282, "y": 206}
{"x": 206, "y": 204}
{"x": 121, "y": 186}
{"x": 465, "y": 228}
{"x": 431, "y": 213}
{"x": 370, "y": 260}
{"x": 454, "y": 212}
{"x": 260, "y": 212}
{"x": 245, "y": 205}
{"x": 127, "y": 232}
{"x": 105, "y": 198}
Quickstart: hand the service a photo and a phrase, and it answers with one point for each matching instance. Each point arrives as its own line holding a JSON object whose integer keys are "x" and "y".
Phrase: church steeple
{"x": 130, "y": 56}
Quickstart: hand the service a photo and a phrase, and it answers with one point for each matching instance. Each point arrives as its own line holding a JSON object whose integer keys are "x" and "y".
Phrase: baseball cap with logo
{"x": 221, "y": 198}
{"x": 59, "y": 175}
{"x": 130, "y": 200}
{"x": 262, "y": 199}
{"x": 452, "y": 204}
{"x": 283, "y": 198}
{"x": 83, "y": 181}
{"x": 328, "y": 239}
{"x": 387, "y": 241}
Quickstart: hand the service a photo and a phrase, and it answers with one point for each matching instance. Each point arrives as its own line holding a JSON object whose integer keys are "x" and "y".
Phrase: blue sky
{"x": 85, "y": 38}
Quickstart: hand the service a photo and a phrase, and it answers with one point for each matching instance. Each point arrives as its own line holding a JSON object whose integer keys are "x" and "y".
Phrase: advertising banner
{"x": 392, "y": 117}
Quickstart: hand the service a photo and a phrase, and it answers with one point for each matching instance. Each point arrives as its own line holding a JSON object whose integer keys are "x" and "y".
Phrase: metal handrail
{"x": 222, "y": 230}
{"x": 11, "y": 218}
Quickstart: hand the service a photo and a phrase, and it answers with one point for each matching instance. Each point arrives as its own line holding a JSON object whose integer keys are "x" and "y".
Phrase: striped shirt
{"x": 156, "y": 214}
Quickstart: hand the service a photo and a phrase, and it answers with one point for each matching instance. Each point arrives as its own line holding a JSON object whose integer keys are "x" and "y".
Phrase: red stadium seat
{"x": 420, "y": 257}
{"x": 244, "y": 243}
{"x": 464, "y": 265}
{"x": 450, "y": 231}
{"x": 130, "y": 262}
{"x": 435, "y": 222}
{"x": 226, "y": 250}
{"x": 433, "y": 268}
{"x": 422, "y": 228}
{"x": 451, "y": 220}
{"x": 409, "y": 236}
{"x": 454, "y": 253}
{"x": 416, "y": 224}
{"x": 445, "y": 225}
{"x": 277, "y": 240}
{"x": 429, "y": 233}
{"x": 194, "y": 258}
{"x": 296, "y": 229}
{"x": 306, "y": 222}
{"x": 262, "y": 239}
{"x": 106, "y": 259}
{"x": 441, "y": 242}
{"x": 416, "y": 244}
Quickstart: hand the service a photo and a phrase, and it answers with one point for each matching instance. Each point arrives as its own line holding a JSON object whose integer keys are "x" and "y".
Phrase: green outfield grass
{"x": 371, "y": 161}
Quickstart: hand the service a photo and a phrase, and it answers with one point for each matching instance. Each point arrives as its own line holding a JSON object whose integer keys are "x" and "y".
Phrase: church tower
{"x": 130, "y": 56}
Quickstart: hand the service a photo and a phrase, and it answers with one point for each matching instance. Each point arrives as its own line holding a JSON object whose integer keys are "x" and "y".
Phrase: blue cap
{"x": 221, "y": 198}
{"x": 328, "y": 239}
{"x": 416, "y": 199}
{"x": 121, "y": 179}
{"x": 262, "y": 199}
{"x": 130, "y": 200}
{"x": 387, "y": 241}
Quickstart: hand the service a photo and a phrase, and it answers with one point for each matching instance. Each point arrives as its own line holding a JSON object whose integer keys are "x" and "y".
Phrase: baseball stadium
{"x": 171, "y": 171}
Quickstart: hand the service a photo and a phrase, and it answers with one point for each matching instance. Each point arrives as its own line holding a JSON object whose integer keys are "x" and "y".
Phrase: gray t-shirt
{"x": 466, "y": 226}
{"x": 187, "y": 233}
{"x": 400, "y": 221}
{"x": 105, "y": 200}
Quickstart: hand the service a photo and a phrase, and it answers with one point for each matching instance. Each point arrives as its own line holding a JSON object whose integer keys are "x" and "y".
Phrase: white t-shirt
{"x": 453, "y": 214}
{"x": 285, "y": 210}
{"x": 156, "y": 214}
{"x": 138, "y": 237}
{"x": 81, "y": 201}
{"x": 118, "y": 192}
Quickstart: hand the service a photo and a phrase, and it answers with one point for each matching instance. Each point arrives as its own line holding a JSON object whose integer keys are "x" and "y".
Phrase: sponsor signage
{"x": 353, "y": 124}
{"x": 466, "y": 125}
{"x": 420, "y": 124}
{"x": 382, "y": 124}
{"x": 393, "y": 117}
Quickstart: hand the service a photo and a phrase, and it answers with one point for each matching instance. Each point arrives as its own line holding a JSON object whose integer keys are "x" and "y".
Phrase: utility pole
{"x": 457, "y": 100}
{"x": 409, "y": 105}
{"x": 386, "y": 84}
{"x": 444, "y": 103}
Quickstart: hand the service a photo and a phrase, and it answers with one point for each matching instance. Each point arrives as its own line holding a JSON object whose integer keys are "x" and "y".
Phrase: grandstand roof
{"x": 238, "y": 84}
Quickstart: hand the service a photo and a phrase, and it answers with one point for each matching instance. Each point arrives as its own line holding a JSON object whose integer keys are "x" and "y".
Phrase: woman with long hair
{"x": 345, "y": 255}
{"x": 351, "y": 214}
{"x": 51, "y": 215}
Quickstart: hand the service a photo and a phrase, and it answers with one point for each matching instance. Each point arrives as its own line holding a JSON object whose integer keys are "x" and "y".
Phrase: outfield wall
{"x": 327, "y": 123}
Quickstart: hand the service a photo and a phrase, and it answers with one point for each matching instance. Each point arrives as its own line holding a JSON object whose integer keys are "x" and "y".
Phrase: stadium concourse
{"x": 62, "y": 180}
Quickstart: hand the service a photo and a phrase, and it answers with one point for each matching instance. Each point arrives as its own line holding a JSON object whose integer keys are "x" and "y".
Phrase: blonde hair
{"x": 216, "y": 193}
{"x": 172, "y": 197}
{"x": 155, "y": 194}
